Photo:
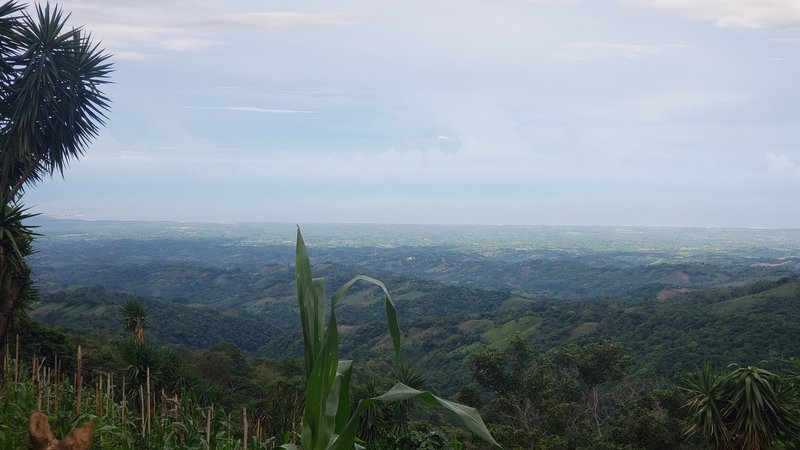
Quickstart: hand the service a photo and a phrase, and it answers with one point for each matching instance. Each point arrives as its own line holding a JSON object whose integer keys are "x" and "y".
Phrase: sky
{"x": 541, "y": 112}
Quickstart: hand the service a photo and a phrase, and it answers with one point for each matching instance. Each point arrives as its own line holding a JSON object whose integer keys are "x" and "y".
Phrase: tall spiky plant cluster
{"x": 748, "y": 408}
{"x": 51, "y": 107}
{"x": 135, "y": 317}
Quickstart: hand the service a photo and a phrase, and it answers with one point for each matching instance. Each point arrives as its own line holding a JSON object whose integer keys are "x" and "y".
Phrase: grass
{"x": 523, "y": 327}
{"x": 583, "y": 329}
{"x": 786, "y": 291}
{"x": 177, "y": 422}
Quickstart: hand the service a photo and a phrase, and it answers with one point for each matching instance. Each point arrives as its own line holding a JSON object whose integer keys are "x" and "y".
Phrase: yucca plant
{"x": 51, "y": 107}
{"x": 748, "y": 408}
{"x": 327, "y": 420}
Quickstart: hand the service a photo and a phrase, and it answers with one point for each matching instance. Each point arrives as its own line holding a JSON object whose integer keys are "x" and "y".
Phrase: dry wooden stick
{"x": 149, "y": 398}
{"x": 244, "y": 426}
{"x": 208, "y": 428}
{"x": 57, "y": 384}
{"x": 141, "y": 402}
{"x": 78, "y": 383}
{"x": 16, "y": 362}
{"x": 5, "y": 358}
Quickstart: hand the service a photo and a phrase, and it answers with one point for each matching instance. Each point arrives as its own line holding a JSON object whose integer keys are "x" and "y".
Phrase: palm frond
{"x": 52, "y": 103}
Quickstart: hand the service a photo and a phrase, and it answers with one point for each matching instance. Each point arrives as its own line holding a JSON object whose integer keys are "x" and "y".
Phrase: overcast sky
{"x": 553, "y": 112}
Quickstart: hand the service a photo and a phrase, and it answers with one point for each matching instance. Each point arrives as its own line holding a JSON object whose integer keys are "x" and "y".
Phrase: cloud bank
{"x": 751, "y": 14}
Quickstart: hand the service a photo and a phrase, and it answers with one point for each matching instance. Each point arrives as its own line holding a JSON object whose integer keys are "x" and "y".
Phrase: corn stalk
{"x": 327, "y": 420}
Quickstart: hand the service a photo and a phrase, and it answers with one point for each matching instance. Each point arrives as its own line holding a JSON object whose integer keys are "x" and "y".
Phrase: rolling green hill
{"x": 94, "y": 312}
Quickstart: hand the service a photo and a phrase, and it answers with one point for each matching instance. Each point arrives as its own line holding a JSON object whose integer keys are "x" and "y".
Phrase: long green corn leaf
{"x": 327, "y": 422}
{"x": 322, "y": 392}
{"x": 345, "y": 373}
{"x": 391, "y": 311}
{"x": 312, "y": 307}
{"x": 470, "y": 416}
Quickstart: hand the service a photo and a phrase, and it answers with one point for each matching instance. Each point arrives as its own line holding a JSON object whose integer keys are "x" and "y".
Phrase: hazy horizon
{"x": 410, "y": 224}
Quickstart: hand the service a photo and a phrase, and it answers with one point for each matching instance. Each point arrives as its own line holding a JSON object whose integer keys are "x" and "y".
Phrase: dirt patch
{"x": 583, "y": 329}
{"x": 667, "y": 294}
{"x": 345, "y": 329}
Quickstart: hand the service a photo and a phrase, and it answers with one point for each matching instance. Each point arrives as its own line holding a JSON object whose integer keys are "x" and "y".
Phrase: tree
{"x": 15, "y": 246}
{"x": 748, "y": 408}
{"x": 596, "y": 364}
{"x": 51, "y": 107}
{"x": 135, "y": 316}
{"x": 550, "y": 400}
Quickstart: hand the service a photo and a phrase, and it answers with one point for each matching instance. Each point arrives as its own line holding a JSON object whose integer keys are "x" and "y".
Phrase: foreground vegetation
{"x": 546, "y": 374}
{"x": 574, "y": 397}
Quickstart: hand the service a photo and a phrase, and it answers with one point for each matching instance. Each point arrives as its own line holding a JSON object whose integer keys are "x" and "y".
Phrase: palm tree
{"x": 15, "y": 245}
{"x": 135, "y": 316}
{"x": 51, "y": 107}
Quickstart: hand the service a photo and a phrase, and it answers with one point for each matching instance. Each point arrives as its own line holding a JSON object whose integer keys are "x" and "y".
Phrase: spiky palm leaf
{"x": 52, "y": 105}
{"x": 760, "y": 415}
{"x": 16, "y": 287}
{"x": 706, "y": 405}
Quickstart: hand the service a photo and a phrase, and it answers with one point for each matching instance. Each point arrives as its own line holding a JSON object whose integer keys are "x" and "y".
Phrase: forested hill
{"x": 675, "y": 297}
{"x": 206, "y": 268}
{"x": 444, "y": 324}
{"x": 95, "y": 312}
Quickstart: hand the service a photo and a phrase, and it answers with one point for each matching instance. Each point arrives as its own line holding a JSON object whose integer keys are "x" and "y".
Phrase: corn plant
{"x": 327, "y": 420}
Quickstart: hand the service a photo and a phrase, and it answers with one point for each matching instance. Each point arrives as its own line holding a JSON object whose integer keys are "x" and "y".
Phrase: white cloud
{"x": 121, "y": 55}
{"x": 786, "y": 40}
{"x": 782, "y": 164}
{"x": 251, "y": 109}
{"x": 133, "y": 36}
{"x": 584, "y": 51}
{"x": 190, "y": 44}
{"x": 127, "y": 33}
{"x": 734, "y": 13}
{"x": 277, "y": 20}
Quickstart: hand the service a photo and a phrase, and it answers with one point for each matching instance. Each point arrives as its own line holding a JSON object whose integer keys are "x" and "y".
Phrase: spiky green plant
{"x": 707, "y": 406}
{"x": 328, "y": 423}
{"x": 51, "y": 107}
{"x": 134, "y": 316}
{"x": 748, "y": 408}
